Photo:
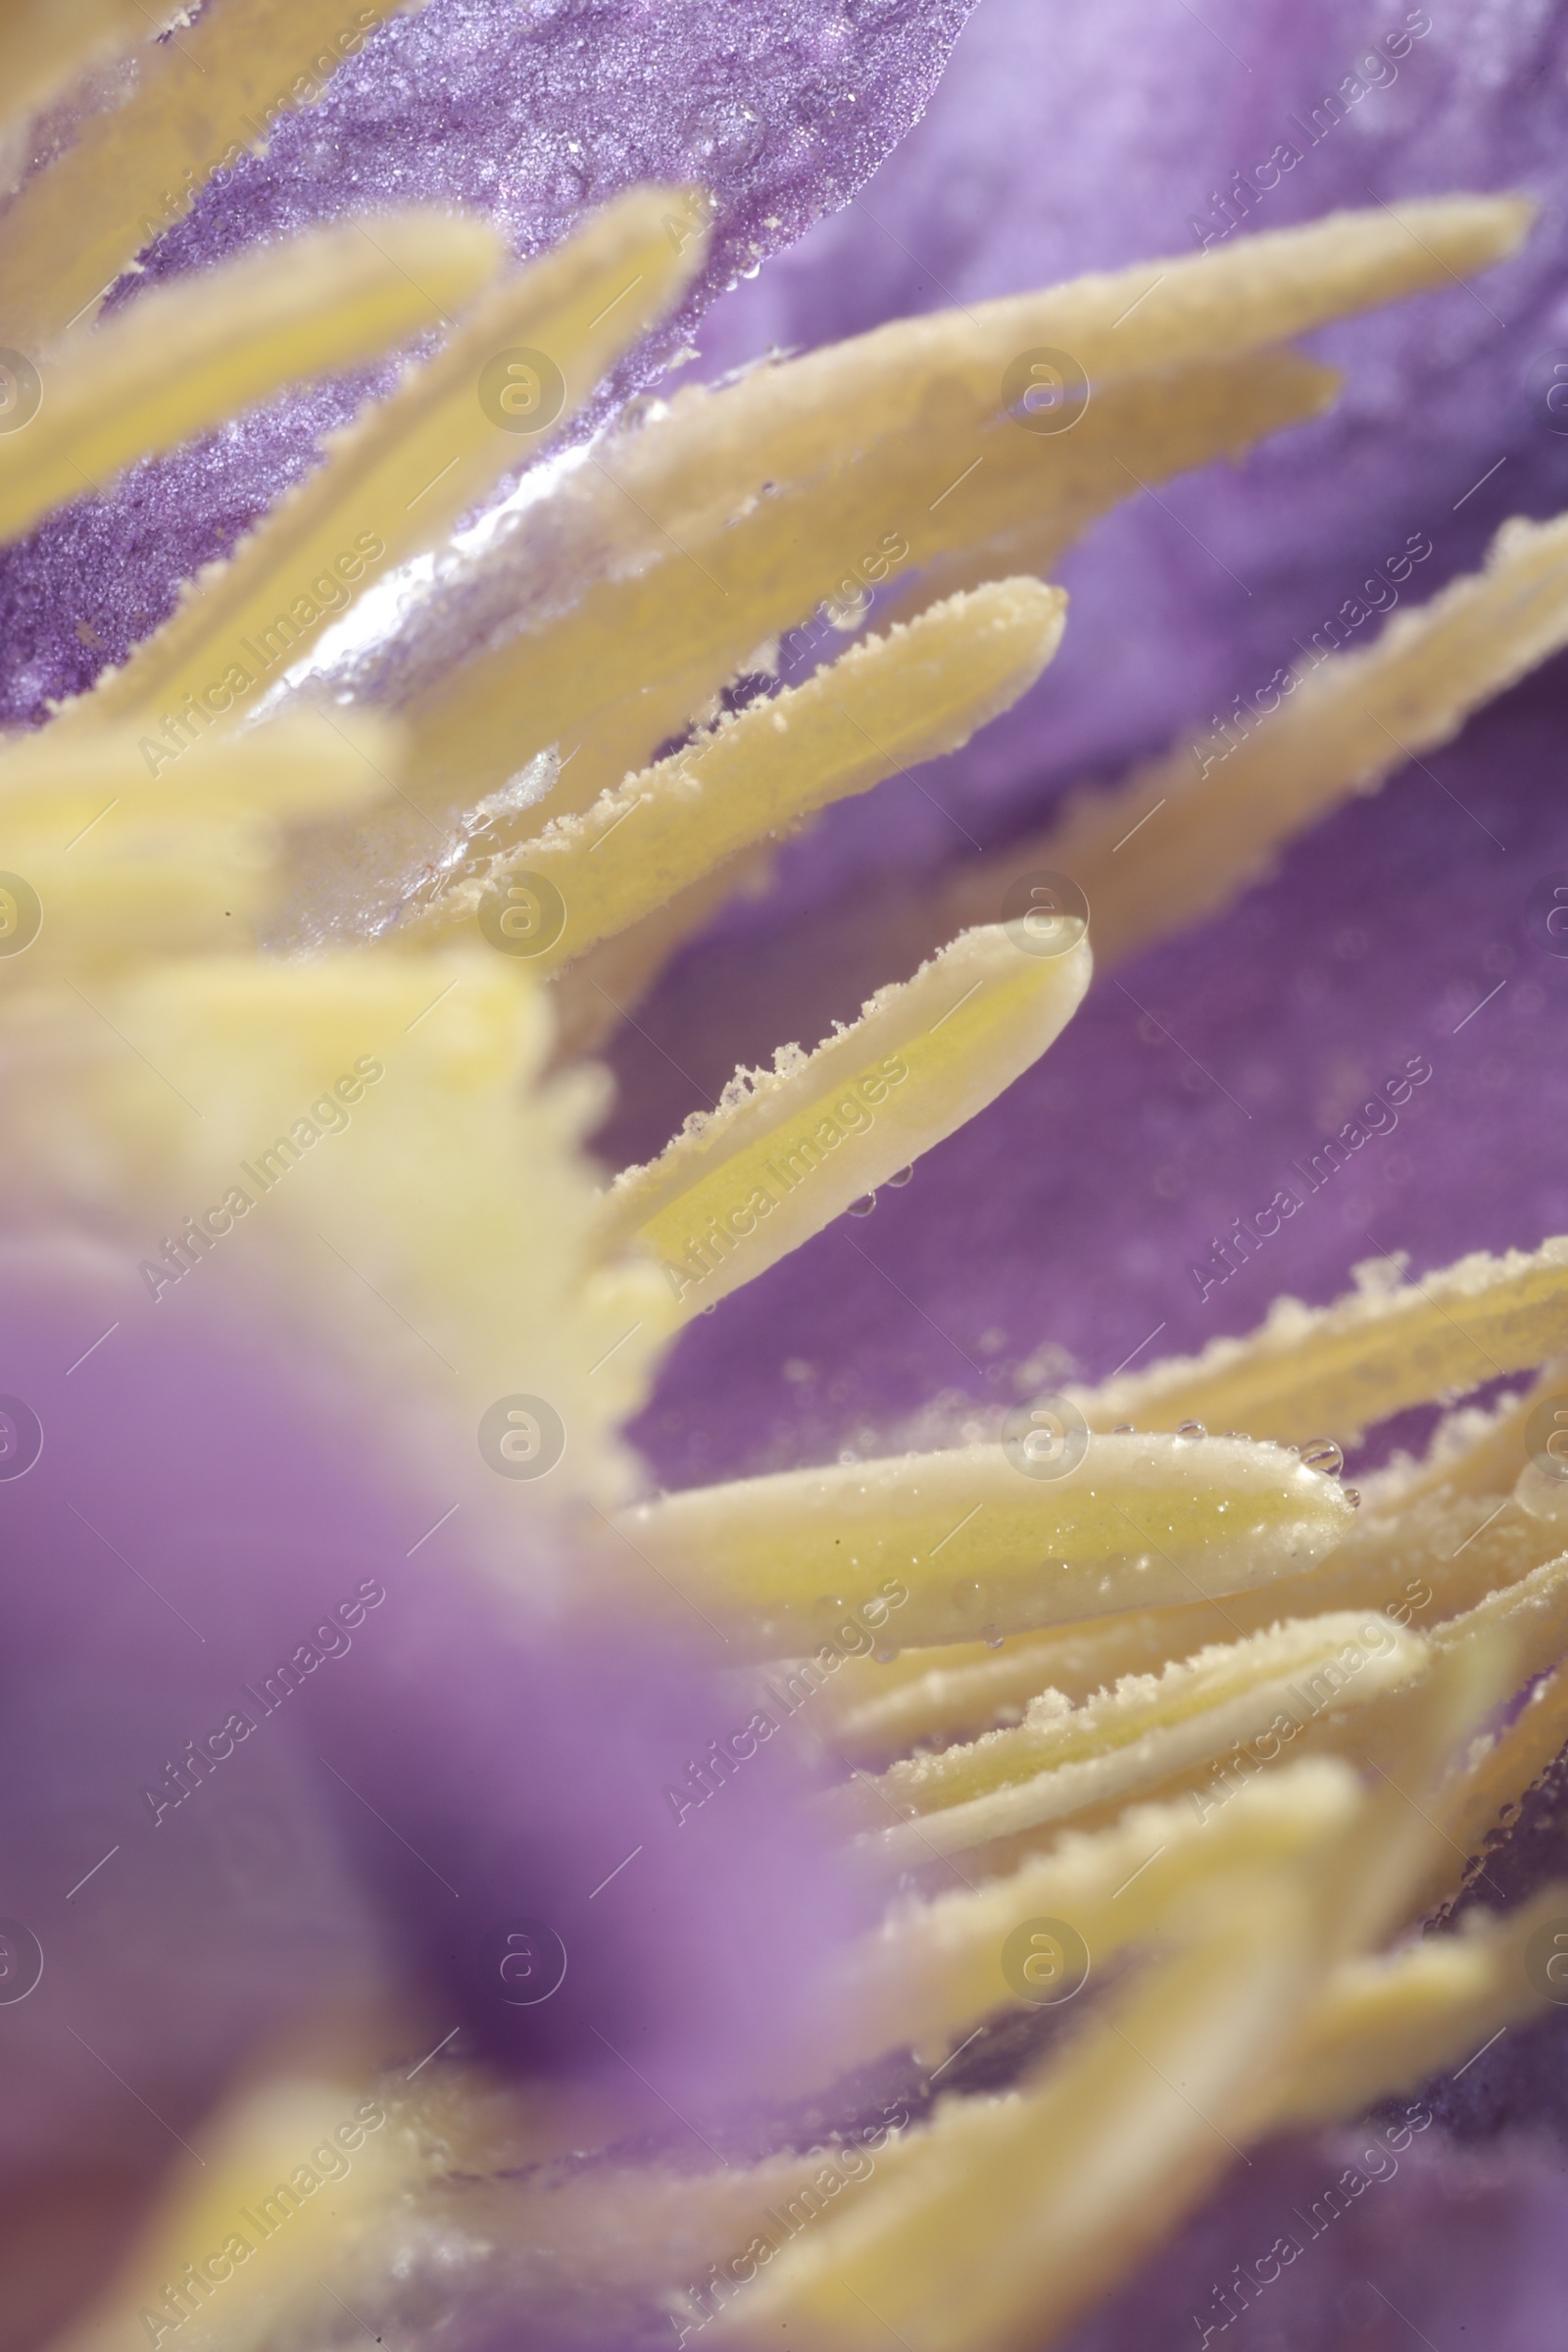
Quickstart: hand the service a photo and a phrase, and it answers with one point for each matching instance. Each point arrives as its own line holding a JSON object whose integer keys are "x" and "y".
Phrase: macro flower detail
{"x": 454, "y": 1886}
{"x": 260, "y": 119}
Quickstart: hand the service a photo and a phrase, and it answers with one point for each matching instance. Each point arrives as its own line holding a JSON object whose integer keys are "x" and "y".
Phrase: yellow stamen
{"x": 934, "y": 1970}
{"x": 1054, "y": 2191}
{"x": 1243, "y": 1906}
{"x": 990, "y": 1535}
{"x": 123, "y": 866}
{"x": 889, "y": 704}
{"x": 1390, "y": 2023}
{"x": 1209, "y": 817}
{"x": 787, "y": 1150}
{"x": 1441, "y": 1556}
{"x": 1336, "y": 1370}
{"x": 672, "y": 610}
{"x": 202, "y": 100}
{"x": 919, "y": 461}
{"x": 1489, "y": 1791}
{"x": 398, "y": 479}
{"x": 191, "y": 354}
{"x": 260, "y": 2143}
{"x": 47, "y": 44}
{"x": 1062, "y": 1761}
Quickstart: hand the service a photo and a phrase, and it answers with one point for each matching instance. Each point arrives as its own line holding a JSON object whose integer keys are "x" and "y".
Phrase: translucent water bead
{"x": 1543, "y": 1494}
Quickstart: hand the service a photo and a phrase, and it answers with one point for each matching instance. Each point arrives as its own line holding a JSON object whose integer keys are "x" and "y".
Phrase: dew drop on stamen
{"x": 901, "y": 1178}
{"x": 1353, "y": 1495}
{"x": 864, "y": 1207}
{"x": 1325, "y": 1455}
{"x": 1544, "y": 1496}
{"x": 1125, "y": 1429}
{"x": 1190, "y": 1429}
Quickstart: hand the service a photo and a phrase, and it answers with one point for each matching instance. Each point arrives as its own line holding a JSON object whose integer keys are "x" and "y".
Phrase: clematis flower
{"x": 456, "y": 1885}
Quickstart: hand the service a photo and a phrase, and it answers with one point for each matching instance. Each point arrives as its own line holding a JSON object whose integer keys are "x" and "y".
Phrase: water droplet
{"x": 992, "y": 1635}
{"x": 1125, "y": 1429}
{"x": 864, "y": 1207}
{"x": 901, "y": 1179}
{"x": 885, "y": 1657}
{"x": 1353, "y": 1495}
{"x": 1190, "y": 1429}
{"x": 1323, "y": 1454}
{"x": 1241, "y": 1436}
{"x": 1544, "y": 1499}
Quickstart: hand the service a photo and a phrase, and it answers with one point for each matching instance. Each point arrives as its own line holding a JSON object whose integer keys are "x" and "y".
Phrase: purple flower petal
{"x": 1346, "y": 2238}
{"x": 275, "y": 1752}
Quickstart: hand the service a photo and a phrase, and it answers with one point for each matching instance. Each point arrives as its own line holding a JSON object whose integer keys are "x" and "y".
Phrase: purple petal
{"x": 1351, "y": 2238}
{"x": 396, "y": 1762}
